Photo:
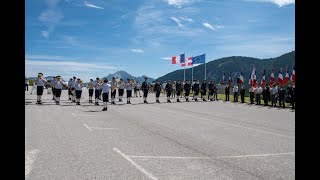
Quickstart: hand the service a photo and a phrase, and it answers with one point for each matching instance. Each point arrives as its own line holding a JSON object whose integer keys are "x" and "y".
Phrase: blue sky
{"x": 93, "y": 38}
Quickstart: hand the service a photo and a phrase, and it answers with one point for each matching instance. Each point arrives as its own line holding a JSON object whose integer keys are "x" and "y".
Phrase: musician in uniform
{"x": 98, "y": 87}
{"x": 90, "y": 86}
{"x": 174, "y": 89}
{"x": 121, "y": 89}
{"x": 40, "y": 83}
{"x": 58, "y": 84}
{"x": 157, "y": 89}
{"x": 114, "y": 85}
{"x": 187, "y": 88}
{"x": 196, "y": 89}
{"x": 73, "y": 90}
{"x": 53, "y": 89}
{"x": 145, "y": 89}
{"x": 179, "y": 90}
{"x": 168, "y": 89}
{"x": 129, "y": 87}
{"x": 78, "y": 88}
{"x": 105, "y": 93}
{"x": 69, "y": 88}
{"x": 204, "y": 87}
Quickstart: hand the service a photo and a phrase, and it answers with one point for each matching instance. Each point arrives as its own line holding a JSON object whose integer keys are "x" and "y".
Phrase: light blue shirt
{"x": 106, "y": 87}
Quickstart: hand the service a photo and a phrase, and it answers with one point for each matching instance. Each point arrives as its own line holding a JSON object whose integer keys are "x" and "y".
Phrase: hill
{"x": 233, "y": 65}
{"x": 124, "y": 75}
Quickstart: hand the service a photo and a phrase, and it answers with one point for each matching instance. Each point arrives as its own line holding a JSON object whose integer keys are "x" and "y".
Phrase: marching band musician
{"x": 204, "y": 90}
{"x": 40, "y": 83}
{"x": 186, "y": 88}
{"x": 98, "y": 87}
{"x": 121, "y": 89}
{"x": 90, "y": 86}
{"x": 114, "y": 85}
{"x": 168, "y": 89}
{"x": 58, "y": 83}
{"x": 73, "y": 84}
{"x": 179, "y": 89}
{"x": 105, "y": 93}
{"x": 129, "y": 87}
{"x": 78, "y": 88}
{"x": 69, "y": 88}
{"x": 196, "y": 89}
{"x": 52, "y": 83}
{"x": 211, "y": 89}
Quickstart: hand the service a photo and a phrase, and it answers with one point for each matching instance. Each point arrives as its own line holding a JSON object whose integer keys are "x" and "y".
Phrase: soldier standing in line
{"x": 204, "y": 87}
{"x": 251, "y": 92}
{"x": 179, "y": 90}
{"x": 157, "y": 89}
{"x": 274, "y": 94}
{"x": 114, "y": 85}
{"x": 196, "y": 89}
{"x": 168, "y": 89}
{"x": 211, "y": 89}
{"x": 90, "y": 87}
{"x": 121, "y": 89}
{"x": 242, "y": 93}
{"x": 187, "y": 88}
{"x": 145, "y": 89}
{"x": 129, "y": 87}
{"x": 215, "y": 92}
{"x": 235, "y": 93}
{"x": 78, "y": 88}
{"x": 258, "y": 92}
{"x": 105, "y": 94}
{"x": 282, "y": 96}
{"x": 265, "y": 94}
{"x": 291, "y": 94}
{"x": 40, "y": 83}
{"x": 227, "y": 91}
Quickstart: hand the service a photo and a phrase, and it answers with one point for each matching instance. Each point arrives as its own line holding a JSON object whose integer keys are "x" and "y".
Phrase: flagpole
{"x": 192, "y": 71}
{"x": 205, "y": 68}
{"x": 184, "y": 68}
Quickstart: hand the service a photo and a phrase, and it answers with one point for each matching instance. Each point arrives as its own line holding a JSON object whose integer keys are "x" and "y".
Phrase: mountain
{"x": 232, "y": 65}
{"x": 124, "y": 75}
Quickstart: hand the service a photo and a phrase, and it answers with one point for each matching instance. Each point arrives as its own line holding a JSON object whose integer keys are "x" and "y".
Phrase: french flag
{"x": 293, "y": 76}
{"x": 286, "y": 78}
{"x": 272, "y": 77}
{"x": 253, "y": 79}
{"x": 180, "y": 59}
{"x": 241, "y": 80}
{"x": 280, "y": 77}
{"x": 189, "y": 61}
{"x": 263, "y": 80}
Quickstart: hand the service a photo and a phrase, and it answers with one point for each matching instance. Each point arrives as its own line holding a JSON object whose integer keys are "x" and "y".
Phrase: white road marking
{"x": 140, "y": 168}
{"x": 87, "y": 127}
{"x": 221, "y": 157}
{"x": 104, "y": 128}
{"x": 258, "y": 130}
{"x": 30, "y": 158}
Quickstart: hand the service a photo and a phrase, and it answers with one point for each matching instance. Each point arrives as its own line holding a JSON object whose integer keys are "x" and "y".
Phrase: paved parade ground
{"x": 195, "y": 140}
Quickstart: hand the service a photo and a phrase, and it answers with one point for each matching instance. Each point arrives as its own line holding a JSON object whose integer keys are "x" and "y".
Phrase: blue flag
{"x": 199, "y": 59}
{"x": 182, "y": 58}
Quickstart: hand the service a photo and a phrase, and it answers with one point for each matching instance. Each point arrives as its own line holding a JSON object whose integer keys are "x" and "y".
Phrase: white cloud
{"x": 167, "y": 58}
{"x": 280, "y": 3}
{"x": 50, "y": 17}
{"x": 186, "y": 19}
{"x": 136, "y": 50}
{"x": 180, "y": 3}
{"x": 212, "y": 27}
{"x": 46, "y": 57}
{"x": 92, "y": 5}
{"x": 177, "y": 21}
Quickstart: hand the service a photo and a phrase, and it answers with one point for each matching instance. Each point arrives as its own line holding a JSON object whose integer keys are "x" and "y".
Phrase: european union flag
{"x": 199, "y": 59}
{"x": 182, "y": 58}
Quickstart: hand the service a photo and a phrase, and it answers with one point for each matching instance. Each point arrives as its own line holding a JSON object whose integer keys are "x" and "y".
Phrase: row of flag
{"x": 253, "y": 79}
{"x": 188, "y": 61}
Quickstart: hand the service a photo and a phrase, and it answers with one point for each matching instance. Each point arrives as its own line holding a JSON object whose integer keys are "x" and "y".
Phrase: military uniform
{"x": 90, "y": 86}
{"x": 168, "y": 90}
{"x": 78, "y": 88}
{"x": 40, "y": 83}
{"x": 265, "y": 94}
{"x": 157, "y": 89}
{"x": 291, "y": 95}
{"x": 227, "y": 92}
{"x": 282, "y": 96}
{"x": 187, "y": 88}
{"x": 179, "y": 90}
{"x": 58, "y": 88}
{"x": 211, "y": 89}
{"x": 235, "y": 93}
{"x": 196, "y": 89}
{"x": 258, "y": 92}
{"x": 114, "y": 85}
{"x": 204, "y": 87}
{"x": 251, "y": 92}
{"x": 69, "y": 88}
{"x": 242, "y": 93}
{"x": 105, "y": 94}
{"x": 145, "y": 89}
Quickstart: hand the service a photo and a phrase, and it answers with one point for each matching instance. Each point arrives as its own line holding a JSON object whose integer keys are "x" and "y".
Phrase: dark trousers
{"x": 187, "y": 93}
{"x": 105, "y": 97}
{"x": 265, "y": 100}
{"x": 90, "y": 92}
{"x": 58, "y": 92}
{"x": 129, "y": 93}
{"x": 274, "y": 100}
{"x": 235, "y": 97}
{"x": 69, "y": 91}
{"x": 227, "y": 96}
{"x": 145, "y": 93}
{"x": 251, "y": 97}
{"x": 78, "y": 94}
{"x": 203, "y": 94}
{"x": 258, "y": 99}
{"x": 39, "y": 90}
{"x": 178, "y": 93}
{"x": 196, "y": 93}
{"x": 169, "y": 93}
{"x": 242, "y": 98}
{"x": 121, "y": 92}
{"x": 158, "y": 93}
{"x": 96, "y": 93}
{"x": 215, "y": 95}
{"x": 282, "y": 101}
{"x": 292, "y": 102}
{"x": 113, "y": 94}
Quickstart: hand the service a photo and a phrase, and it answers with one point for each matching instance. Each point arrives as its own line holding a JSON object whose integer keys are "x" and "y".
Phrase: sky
{"x": 94, "y": 38}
